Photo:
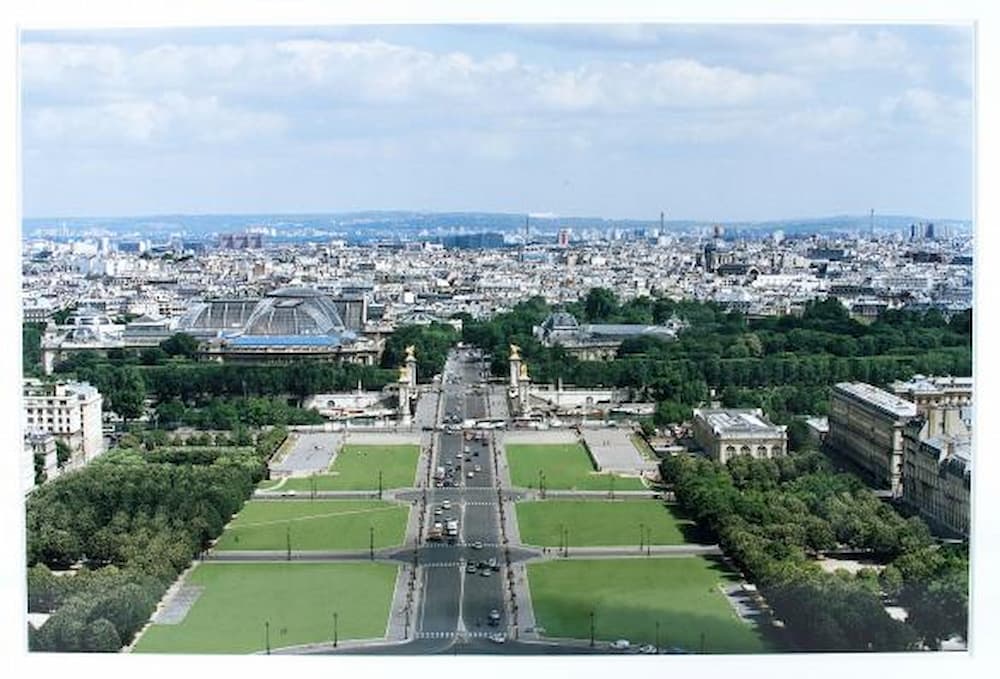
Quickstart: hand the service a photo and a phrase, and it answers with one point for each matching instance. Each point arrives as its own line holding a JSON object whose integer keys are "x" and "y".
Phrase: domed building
{"x": 287, "y": 324}
{"x": 295, "y": 311}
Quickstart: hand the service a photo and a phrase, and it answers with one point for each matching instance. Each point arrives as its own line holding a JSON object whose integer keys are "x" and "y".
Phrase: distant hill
{"x": 382, "y": 223}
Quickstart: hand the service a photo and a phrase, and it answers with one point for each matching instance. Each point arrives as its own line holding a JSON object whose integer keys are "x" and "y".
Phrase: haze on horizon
{"x": 714, "y": 122}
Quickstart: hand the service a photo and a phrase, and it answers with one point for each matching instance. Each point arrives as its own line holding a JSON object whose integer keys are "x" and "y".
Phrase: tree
{"x": 100, "y": 636}
{"x": 180, "y": 344}
{"x": 152, "y": 356}
{"x": 40, "y": 475}
{"x": 63, "y": 452}
{"x": 599, "y": 304}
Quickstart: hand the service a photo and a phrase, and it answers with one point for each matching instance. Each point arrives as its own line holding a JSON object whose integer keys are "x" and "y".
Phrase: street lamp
{"x": 335, "y": 639}
{"x": 591, "y": 629}
{"x": 642, "y": 535}
{"x": 657, "y": 637}
{"x": 267, "y": 636}
{"x": 379, "y": 484}
{"x": 565, "y": 541}
{"x": 612, "y": 487}
{"x": 560, "y": 538}
{"x": 288, "y": 543}
{"x": 371, "y": 543}
{"x": 649, "y": 538}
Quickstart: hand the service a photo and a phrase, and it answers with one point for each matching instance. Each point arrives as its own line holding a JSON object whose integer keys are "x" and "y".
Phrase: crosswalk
{"x": 453, "y": 634}
{"x": 442, "y": 545}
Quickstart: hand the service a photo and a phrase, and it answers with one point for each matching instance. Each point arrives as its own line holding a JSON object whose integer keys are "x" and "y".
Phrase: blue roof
{"x": 286, "y": 340}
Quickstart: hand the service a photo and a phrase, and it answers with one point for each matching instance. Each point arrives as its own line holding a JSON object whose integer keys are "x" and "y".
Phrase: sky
{"x": 709, "y": 122}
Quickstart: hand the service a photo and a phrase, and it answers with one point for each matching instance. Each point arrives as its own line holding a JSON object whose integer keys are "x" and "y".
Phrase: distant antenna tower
{"x": 526, "y": 218}
{"x": 661, "y": 221}
{"x": 871, "y": 222}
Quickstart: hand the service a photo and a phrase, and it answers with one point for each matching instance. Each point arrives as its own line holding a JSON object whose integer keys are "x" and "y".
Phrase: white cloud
{"x": 343, "y": 72}
{"x": 170, "y": 119}
{"x": 851, "y": 50}
{"x": 933, "y": 112}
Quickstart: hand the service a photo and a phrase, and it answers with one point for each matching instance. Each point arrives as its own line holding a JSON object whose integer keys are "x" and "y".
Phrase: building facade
{"x": 724, "y": 434}
{"x": 866, "y": 427}
{"x": 71, "y": 412}
{"x": 937, "y": 474}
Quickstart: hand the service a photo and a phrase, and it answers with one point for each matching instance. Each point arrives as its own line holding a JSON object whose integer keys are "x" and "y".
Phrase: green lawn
{"x": 565, "y": 466}
{"x": 598, "y": 522}
{"x": 357, "y": 468}
{"x": 629, "y": 596}
{"x": 297, "y": 600}
{"x": 315, "y": 525}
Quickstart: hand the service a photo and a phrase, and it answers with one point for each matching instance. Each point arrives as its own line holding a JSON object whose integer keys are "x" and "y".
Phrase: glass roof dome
{"x": 295, "y": 311}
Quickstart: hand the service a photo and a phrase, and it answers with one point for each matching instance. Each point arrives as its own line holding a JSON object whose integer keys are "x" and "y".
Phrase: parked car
{"x": 494, "y": 617}
{"x": 478, "y": 544}
{"x": 647, "y": 649}
{"x": 498, "y": 638}
{"x": 620, "y": 645}
{"x": 470, "y": 568}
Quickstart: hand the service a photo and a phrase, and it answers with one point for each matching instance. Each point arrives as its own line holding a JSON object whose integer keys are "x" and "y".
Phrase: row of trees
{"x": 430, "y": 342}
{"x": 137, "y": 519}
{"x": 773, "y": 517}
{"x": 795, "y": 359}
{"x": 231, "y": 413}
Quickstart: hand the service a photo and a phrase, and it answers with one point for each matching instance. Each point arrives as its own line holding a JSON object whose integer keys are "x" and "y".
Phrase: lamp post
{"x": 612, "y": 493}
{"x": 591, "y": 629}
{"x": 565, "y": 541}
{"x": 371, "y": 543}
{"x": 642, "y": 535}
{"x": 379, "y": 484}
{"x": 560, "y": 539}
{"x": 335, "y": 639}
{"x": 267, "y": 636}
{"x": 657, "y": 637}
{"x": 288, "y": 543}
{"x": 649, "y": 538}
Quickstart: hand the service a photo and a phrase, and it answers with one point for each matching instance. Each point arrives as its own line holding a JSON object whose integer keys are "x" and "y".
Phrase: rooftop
{"x": 738, "y": 421}
{"x": 882, "y": 400}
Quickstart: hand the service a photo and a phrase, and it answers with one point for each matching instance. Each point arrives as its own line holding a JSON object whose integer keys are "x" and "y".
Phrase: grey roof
{"x": 295, "y": 311}
{"x": 877, "y": 398}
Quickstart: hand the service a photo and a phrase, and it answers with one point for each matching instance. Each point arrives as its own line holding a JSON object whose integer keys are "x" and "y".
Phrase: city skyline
{"x": 562, "y": 119}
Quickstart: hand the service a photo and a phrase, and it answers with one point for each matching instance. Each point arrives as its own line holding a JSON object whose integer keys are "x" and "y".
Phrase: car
{"x": 438, "y": 512}
{"x": 492, "y": 563}
{"x": 471, "y": 474}
{"x": 494, "y": 617}
{"x": 470, "y": 568}
{"x": 677, "y": 650}
{"x": 647, "y": 649}
{"x": 478, "y": 544}
{"x": 620, "y": 645}
{"x": 498, "y": 638}
{"x": 438, "y": 484}
{"x": 485, "y": 572}
{"x": 446, "y": 504}
{"x": 288, "y": 493}
{"x": 478, "y": 468}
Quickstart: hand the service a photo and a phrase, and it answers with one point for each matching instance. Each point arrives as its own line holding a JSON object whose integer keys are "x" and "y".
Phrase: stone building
{"x": 70, "y": 411}
{"x": 937, "y": 472}
{"x": 866, "y": 427}
{"x": 724, "y": 434}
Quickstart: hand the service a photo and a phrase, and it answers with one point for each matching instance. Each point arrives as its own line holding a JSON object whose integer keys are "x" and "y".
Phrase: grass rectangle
{"x": 357, "y": 467}
{"x": 315, "y": 525}
{"x": 600, "y": 522}
{"x": 297, "y": 600}
{"x": 629, "y": 596}
{"x": 564, "y": 466}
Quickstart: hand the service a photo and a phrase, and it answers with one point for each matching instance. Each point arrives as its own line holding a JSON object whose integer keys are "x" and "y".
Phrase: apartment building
{"x": 866, "y": 426}
{"x": 70, "y": 411}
